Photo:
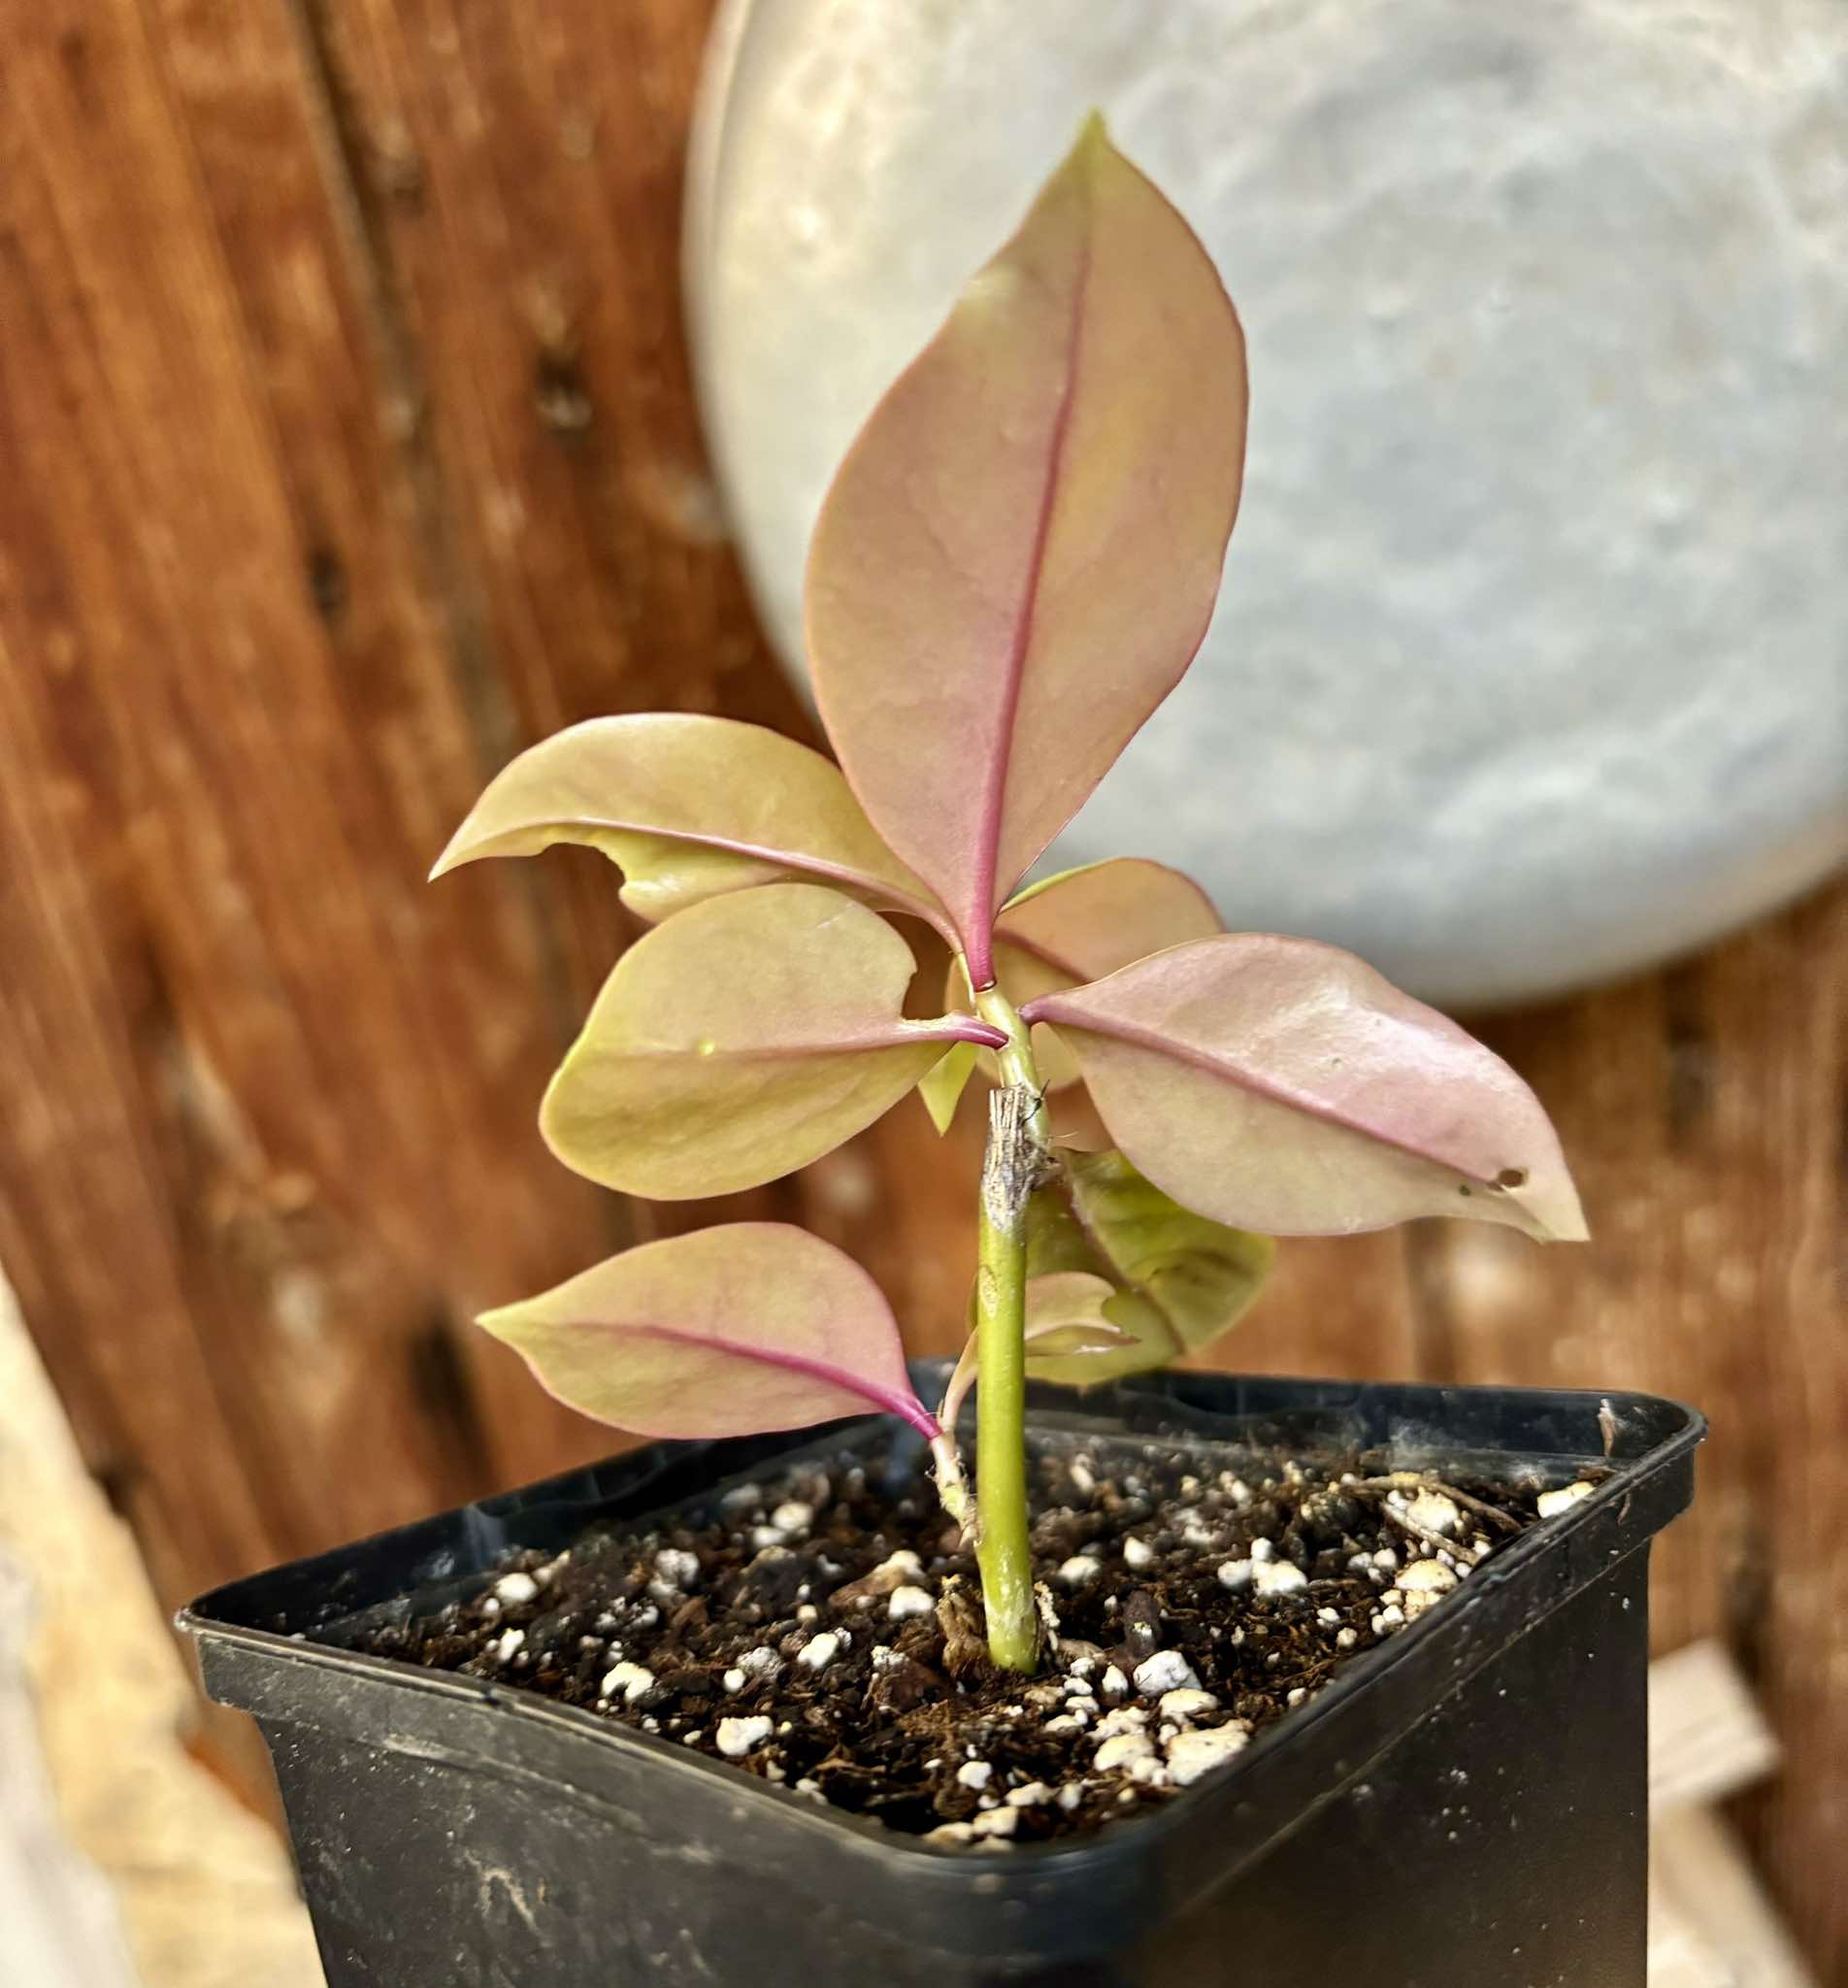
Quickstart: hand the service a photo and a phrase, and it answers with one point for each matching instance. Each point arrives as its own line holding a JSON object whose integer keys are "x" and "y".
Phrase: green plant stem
{"x": 1012, "y": 1166}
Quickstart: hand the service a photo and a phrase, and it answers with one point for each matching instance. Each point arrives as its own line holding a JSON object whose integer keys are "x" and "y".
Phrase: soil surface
{"x": 822, "y": 1633}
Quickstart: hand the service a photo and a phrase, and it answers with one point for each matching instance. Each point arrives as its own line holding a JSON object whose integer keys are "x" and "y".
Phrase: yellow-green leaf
{"x": 1064, "y": 1327}
{"x": 942, "y": 1083}
{"x": 742, "y": 1039}
{"x": 725, "y": 1332}
{"x": 1284, "y": 1084}
{"x": 1019, "y": 556}
{"x": 688, "y": 808}
{"x": 1176, "y": 1280}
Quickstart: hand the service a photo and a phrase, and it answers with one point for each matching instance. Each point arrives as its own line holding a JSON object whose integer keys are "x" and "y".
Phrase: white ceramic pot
{"x": 1532, "y": 661}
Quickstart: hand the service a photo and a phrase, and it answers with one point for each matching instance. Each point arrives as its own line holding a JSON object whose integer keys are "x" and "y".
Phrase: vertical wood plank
{"x": 519, "y": 172}
{"x": 272, "y": 1098}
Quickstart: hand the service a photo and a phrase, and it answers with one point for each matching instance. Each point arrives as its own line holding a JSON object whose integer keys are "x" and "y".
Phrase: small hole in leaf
{"x": 1464, "y": 1191}
{"x": 1512, "y": 1177}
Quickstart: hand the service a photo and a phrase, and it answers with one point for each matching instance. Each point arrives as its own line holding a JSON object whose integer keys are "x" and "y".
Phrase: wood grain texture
{"x": 347, "y": 445}
{"x": 518, "y": 173}
{"x": 267, "y": 1085}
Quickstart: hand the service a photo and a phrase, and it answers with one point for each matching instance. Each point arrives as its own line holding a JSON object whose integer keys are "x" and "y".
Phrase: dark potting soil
{"x": 824, "y": 1633}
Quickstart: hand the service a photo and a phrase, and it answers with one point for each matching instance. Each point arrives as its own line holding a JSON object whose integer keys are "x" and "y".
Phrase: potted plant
{"x": 1190, "y": 1678}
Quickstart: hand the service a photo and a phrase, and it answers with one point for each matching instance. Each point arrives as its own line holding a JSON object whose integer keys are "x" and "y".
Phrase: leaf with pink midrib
{"x": 1020, "y": 553}
{"x": 688, "y": 807}
{"x": 1285, "y": 1086}
{"x": 739, "y": 1040}
{"x": 729, "y": 1331}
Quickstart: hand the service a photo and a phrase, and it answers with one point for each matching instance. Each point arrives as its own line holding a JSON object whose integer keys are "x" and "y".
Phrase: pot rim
{"x": 1642, "y": 1492}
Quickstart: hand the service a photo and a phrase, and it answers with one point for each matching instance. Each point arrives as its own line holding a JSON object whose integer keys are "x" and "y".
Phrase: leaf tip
{"x": 1091, "y": 157}
{"x": 941, "y": 1086}
{"x": 1565, "y": 1220}
{"x": 498, "y": 1323}
{"x": 1546, "y": 1210}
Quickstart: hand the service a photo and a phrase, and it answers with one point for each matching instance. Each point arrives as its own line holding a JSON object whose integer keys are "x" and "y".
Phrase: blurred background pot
{"x": 1530, "y": 665}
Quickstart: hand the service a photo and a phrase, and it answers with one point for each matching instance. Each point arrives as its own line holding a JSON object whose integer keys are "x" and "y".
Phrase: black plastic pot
{"x": 1466, "y": 1807}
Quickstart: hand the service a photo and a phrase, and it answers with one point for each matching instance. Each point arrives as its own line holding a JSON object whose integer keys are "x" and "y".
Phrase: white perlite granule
{"x": 819, "y": 1651}
{"x": 736, "y": 1737}
{"x": 628, "y": 1681}
{"x": 1193, "y": 1754}
{"x": 1165, "y": 1670}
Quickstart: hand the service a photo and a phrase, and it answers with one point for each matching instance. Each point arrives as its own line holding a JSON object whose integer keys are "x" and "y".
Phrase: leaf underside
{"x": 1179, "y": 1280}
{"x": 688, "y": 807}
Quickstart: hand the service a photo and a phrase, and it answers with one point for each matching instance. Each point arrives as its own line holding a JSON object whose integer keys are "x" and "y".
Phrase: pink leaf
{"x": 1019, "y": 556}
{"x": 725, "y": 1332}
{"x": 1085, "y": 923}
{"x": 1285, "y": 1086}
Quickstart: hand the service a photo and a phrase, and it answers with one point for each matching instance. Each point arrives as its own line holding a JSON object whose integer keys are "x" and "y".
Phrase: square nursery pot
{"x": 1463, "y": 1805}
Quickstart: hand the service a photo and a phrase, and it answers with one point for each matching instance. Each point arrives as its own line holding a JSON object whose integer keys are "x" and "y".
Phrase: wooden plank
{"x": 519, "y": 170}
{"x": 1716, "y": 1926}
{"x": 1707, "y": 1739}
{"x": 516, "y": 173}
{"x": 271, "y": 1097}
{"x": 1710, "y": 1923}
